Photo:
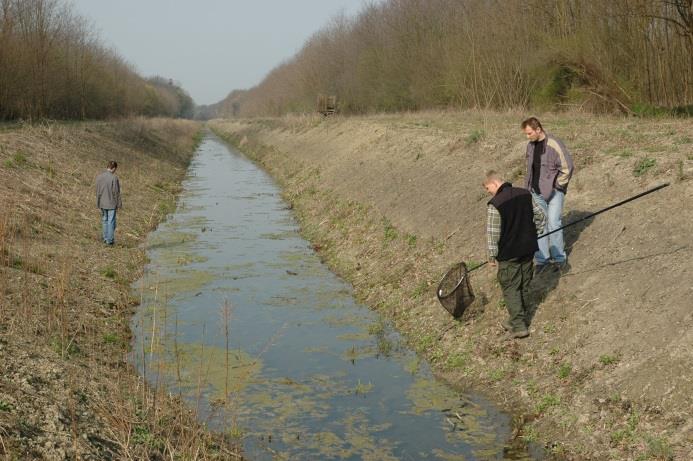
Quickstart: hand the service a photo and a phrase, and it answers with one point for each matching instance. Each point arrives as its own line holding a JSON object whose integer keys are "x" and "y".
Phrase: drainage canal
{"x": 240, "y": 317}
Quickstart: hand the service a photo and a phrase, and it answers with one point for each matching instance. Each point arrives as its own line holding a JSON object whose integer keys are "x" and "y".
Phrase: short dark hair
{"x": 532, "y": 122}
{"x": 112, "y": 165}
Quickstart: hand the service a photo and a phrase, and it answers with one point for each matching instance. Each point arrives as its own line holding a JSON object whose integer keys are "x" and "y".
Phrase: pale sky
{"x": 209, "y": 46}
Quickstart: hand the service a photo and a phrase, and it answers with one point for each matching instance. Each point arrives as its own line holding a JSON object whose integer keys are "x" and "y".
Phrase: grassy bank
{"x": 67, "y": 389}
{"x": 391, "y": 201}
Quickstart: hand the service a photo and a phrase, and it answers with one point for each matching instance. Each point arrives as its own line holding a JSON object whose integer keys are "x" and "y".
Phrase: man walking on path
{"x": 549, "y": 168}
{"x": 513, "y": 221}
{"x": 108, "y": 200}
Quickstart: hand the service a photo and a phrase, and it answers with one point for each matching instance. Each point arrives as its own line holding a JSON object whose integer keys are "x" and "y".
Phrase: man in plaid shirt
{"x": 514, "y": 220}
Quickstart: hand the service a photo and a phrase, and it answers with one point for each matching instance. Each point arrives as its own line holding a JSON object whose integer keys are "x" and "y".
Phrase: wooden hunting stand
{"x": 327, "y": 105}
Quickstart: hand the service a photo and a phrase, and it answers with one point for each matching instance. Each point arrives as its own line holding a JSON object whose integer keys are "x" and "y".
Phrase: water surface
{"x": 241, "y": 318}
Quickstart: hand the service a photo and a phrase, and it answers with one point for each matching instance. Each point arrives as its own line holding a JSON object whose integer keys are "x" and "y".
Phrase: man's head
{"x": 533, "y": 129}
{"x": 492, "y": 182}
{"x": 112, "y": 166}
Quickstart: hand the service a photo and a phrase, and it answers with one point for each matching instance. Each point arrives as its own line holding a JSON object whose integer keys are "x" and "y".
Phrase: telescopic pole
{"x": 591, "y": 215}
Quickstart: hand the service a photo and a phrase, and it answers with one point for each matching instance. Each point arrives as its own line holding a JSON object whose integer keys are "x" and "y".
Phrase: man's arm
{"x": 564, "y": 165}
{"x": 119, "y": 202}
{"x": 493, "y": 231}
{"x": 528, "y": 172}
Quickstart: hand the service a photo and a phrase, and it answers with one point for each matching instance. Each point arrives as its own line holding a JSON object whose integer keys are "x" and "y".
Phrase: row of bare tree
{"x": 52, "y": 65}
{"x": 625, "y": 55}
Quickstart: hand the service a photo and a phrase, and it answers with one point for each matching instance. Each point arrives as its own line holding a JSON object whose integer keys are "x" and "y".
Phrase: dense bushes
{"x": 620, "y": 55}
{"x": 52, "y": 65}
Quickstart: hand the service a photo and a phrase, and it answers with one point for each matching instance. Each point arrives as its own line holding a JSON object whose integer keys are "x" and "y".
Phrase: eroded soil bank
{"x": 391, "y": 201}
{"x": 67, "y": 390}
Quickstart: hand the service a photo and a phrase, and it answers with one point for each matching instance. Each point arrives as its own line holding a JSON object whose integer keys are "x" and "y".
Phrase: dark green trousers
{"x": 514, "y": 276}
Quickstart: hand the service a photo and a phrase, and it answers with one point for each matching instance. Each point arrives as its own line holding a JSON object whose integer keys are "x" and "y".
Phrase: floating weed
{"x": 642, "y": 166}
{"x": 362, "y": 388}
{"x": 412, "y": 366}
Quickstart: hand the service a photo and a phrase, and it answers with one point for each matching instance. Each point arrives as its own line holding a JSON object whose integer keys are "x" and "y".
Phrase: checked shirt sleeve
{"x": 493, "y": 231}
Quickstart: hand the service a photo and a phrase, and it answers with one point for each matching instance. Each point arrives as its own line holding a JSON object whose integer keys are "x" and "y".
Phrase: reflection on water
{"x": 241, "y": 319}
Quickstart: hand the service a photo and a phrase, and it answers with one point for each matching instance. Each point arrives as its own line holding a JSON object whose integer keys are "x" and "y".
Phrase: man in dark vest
{"x": 514, "y": 220}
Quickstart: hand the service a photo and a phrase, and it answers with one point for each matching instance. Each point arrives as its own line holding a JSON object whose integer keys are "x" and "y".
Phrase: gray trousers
{"x": 514, "y": 276}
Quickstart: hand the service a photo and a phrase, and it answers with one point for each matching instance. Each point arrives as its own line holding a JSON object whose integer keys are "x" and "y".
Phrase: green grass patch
{"x": 389, "y": 231}
{"x": 622, "y": 153}
{"x": 474, "y": 137}
{"x": 18, "y": 160}
{"x": 546, "y": 402}
{"x": 658, "y": 448}
{"x": 564, "y": 370}
{"x": 108, "y": 272}
{"x": 497, "y": 374}
{"x": 111, "y": 338}
{"x": 5, "y": 406}
{"x": 643, "y": 166}
{"x": 457, "y": 360}
{"x": 607, "y": 359}
{"x": 420, "y": 289}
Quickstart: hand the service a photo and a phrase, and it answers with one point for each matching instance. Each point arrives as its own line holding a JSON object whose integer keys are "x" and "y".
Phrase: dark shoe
{"x": 520, "y": 333}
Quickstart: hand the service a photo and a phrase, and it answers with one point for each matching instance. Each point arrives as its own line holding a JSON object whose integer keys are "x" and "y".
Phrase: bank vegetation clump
{"x": 627, "y": 56}
{"x": 53, "y": 65}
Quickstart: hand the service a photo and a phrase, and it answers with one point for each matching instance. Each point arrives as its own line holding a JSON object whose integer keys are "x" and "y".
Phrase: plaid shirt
{"x": 493, "y": 226}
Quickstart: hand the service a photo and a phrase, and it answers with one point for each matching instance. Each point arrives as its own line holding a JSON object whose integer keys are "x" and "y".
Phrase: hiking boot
{"x": 523, "y": 333}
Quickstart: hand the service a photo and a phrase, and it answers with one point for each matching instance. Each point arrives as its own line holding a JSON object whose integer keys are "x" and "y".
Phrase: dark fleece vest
{"x": 518, "y": 232}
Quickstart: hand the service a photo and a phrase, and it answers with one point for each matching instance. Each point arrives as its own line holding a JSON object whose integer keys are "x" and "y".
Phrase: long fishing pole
{"x": 591, "y": 215}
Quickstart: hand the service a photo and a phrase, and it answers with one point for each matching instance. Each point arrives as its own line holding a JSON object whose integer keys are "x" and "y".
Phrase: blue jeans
{"x": 551, "y": 247}
{"x": 108, "y": 221}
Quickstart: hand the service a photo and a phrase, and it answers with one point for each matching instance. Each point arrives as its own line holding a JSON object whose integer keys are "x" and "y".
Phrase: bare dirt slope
{"x": 392, "y": 201}
{"x": 67, "y": 389}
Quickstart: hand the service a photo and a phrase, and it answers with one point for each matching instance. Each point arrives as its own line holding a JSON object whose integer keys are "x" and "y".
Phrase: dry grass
{"x": 391, "y": 201}
{"x": 67, "y": 389}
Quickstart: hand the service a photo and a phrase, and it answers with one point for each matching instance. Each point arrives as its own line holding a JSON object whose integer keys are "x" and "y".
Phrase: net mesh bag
{"x": 455, "y": 291}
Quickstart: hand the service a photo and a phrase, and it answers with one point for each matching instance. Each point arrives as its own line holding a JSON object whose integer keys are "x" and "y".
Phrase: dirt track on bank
{"x": 67, "y": 389}
{"x": 391, "y": 201}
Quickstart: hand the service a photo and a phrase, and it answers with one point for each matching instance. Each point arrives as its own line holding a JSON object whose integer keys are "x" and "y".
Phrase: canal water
{"x": 240, "y": 317}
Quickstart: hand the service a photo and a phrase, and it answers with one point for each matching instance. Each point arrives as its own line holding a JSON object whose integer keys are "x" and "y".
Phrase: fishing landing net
{"x": 455, "y": 291}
